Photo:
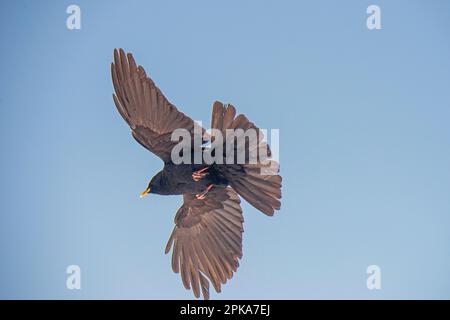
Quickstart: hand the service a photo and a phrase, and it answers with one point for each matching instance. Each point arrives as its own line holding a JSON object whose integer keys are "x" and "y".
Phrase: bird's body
{"x": 207, "y": 237}
{"x": 176, "y": 179}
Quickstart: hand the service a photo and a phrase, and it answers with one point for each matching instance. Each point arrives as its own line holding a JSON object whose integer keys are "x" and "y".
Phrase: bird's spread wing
{"x": 151, "y": 117}
{"x": 207, "y": 240}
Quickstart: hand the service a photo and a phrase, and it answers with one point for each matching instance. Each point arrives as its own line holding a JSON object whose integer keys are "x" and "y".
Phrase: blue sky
{"x": 364, "y": 140}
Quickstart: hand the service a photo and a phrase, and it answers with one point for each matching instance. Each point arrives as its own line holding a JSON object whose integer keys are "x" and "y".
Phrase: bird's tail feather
{"x": 258, "y": 182}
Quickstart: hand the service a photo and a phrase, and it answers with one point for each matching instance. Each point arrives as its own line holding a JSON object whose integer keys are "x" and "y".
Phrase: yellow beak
{"x": 144, "y": 193}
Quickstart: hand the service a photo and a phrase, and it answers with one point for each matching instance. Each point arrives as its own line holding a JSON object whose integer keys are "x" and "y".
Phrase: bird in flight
{"x": 207, "y": 237}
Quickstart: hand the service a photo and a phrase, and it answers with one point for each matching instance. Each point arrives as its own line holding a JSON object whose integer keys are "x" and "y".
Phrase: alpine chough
{"x": 207, "y": 237}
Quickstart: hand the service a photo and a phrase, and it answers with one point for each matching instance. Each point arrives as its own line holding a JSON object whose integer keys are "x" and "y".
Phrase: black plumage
{"x": 176, "y": 179}
{"x": 207, "y": 237}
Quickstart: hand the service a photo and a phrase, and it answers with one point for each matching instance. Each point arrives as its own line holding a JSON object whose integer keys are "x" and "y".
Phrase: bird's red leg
{"x": 202, "y": 195}
{"x": 200, "y": 174}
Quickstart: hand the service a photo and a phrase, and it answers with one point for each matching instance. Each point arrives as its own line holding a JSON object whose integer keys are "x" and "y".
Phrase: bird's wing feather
{"x": 207, "y": 240}
{"x": 151, "y": 117}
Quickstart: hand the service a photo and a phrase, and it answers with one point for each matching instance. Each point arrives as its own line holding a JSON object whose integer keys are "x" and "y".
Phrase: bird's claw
{"x": 202, "y": 195}
{"x": 198, "y": 177}
{"x": 200, "y": 174}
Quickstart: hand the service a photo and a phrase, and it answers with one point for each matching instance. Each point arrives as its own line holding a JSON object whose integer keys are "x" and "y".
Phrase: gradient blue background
{"x": 364, "y": 129}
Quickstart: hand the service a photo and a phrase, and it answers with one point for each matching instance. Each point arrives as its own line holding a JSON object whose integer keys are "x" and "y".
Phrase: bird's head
{"x": 153, "y": 186}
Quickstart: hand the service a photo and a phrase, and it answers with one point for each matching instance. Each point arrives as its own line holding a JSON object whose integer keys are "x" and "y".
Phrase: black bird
{"x": 207, "y": 237}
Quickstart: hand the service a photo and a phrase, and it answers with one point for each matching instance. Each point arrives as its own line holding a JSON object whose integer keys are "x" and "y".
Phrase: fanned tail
{"x": 257, "y": 181}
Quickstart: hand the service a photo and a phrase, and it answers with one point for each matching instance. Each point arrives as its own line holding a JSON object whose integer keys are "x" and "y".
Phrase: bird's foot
{"x": 200, "y": 174}
{"x": 202, "y": 195}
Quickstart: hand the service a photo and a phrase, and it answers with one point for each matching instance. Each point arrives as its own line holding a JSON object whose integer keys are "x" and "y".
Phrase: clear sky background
{"x": 364, "y": 138}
